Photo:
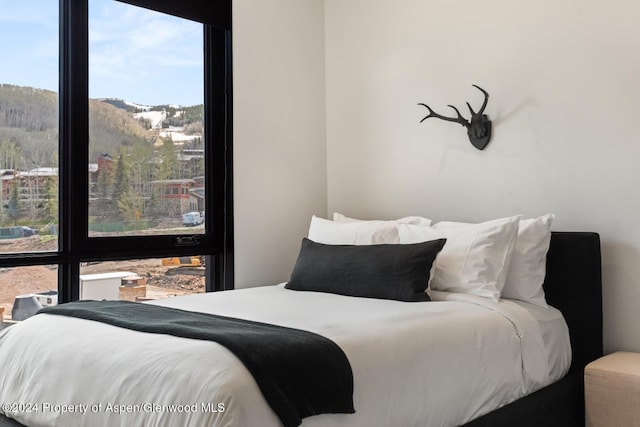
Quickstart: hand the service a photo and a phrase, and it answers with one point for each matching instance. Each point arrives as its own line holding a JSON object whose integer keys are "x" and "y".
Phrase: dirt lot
{"x": 29, "y": 244}
{"x": 161, "y": 281}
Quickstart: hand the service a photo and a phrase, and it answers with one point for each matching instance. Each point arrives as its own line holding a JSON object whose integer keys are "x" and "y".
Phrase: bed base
{"x": 560, "y": 404}
{"x": 574, "y": 286}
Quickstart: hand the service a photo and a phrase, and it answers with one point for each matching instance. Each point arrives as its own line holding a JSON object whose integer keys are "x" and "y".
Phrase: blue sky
{"x": 134, "y": 54}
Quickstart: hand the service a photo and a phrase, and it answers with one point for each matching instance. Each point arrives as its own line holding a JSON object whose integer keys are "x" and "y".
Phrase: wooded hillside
{"x": 29, "y": 118}
{"x": 122, "y": 191}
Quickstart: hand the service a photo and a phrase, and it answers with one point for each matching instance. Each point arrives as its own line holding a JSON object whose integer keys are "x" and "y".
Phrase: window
{"x": 89, "y": 182}
{"x": 28, "y": 126}
{"x": 146, "y": 106}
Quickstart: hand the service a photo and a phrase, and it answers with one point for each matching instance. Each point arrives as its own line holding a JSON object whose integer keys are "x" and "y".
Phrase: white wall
{"x": 564, "y": 83}
{"x": 279, "y": 133}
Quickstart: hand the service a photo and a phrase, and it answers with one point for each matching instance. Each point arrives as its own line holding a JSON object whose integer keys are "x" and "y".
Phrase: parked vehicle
{"x": 191, "y": 219}
{"x": 28, "y": 231}
{"x": 17, "y": 231}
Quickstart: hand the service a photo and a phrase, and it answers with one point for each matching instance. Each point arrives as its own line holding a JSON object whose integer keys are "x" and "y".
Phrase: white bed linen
{"x": 439, "y": 363}
{"x": 555, "y": 335}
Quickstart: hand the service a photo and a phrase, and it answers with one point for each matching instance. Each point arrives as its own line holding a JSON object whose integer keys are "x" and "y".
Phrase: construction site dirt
{"x": 162, "y": 281}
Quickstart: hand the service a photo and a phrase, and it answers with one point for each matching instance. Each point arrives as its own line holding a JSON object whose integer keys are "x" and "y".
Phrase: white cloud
{"x": 135, "y": 54}
{"x": 133, "y": 47}
{"x": 138, "y": 37}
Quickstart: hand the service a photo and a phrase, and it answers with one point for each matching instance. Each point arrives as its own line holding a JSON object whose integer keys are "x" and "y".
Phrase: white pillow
{"x": 417, "y": 220}
{"x": 474, "y": 260}
{"x": 528, "y": 266}
{"x": 351, "y": 233}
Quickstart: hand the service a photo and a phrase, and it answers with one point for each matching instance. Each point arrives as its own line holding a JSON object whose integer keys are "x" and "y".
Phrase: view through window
{"x": 142, "y": 279}
{"x": 146, "y": 168}
{"x": 29, "y": 127}
{"x": 146, "y": 111}
{"x": 28, "y": 146}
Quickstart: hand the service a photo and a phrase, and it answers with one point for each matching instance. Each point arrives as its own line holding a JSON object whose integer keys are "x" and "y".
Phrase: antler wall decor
{"x": 478, "y": 128}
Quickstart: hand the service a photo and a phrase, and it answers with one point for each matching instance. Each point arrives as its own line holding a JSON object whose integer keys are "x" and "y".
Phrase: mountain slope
{"x": 29, "y": 118}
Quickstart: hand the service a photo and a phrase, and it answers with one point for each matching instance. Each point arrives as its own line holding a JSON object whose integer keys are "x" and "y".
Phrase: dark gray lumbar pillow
{"x": 391, "y": 271}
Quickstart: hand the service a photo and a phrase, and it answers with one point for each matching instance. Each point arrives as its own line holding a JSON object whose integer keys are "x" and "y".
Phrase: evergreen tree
{"x": 103, "y": 191}
{"x": 14, "y": 201}
{"x": 121, "y": 178}
{"x": 51, "y": 199}
{"x": 152, "y": 207}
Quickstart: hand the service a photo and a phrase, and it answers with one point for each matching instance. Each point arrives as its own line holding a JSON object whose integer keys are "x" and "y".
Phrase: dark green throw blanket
{"x": 299, "y": 373}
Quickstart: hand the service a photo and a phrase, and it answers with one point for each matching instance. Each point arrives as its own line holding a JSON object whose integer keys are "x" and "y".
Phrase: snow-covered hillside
{"x": 177, "y": 135}
{"x": 154, "y": 117}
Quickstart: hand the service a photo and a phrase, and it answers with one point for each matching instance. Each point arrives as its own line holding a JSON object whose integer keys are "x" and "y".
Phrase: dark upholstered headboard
{"x": 573, "y": 285}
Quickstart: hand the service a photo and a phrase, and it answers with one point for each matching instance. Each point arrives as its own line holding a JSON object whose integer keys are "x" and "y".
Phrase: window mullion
{"x": 73, "y": 135}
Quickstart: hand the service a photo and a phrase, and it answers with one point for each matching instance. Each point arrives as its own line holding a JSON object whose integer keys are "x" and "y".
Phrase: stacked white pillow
{"x": 475, "y": 260}
{"x": 529, "y": 261}
{"x": 501, "y": 258}
{"x": 351, "y": 233}
{"x": 417, "y": 220}
{"x": 344, "y": 230}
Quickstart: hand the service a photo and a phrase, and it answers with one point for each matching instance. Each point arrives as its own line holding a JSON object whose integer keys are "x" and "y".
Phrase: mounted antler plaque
{"x": 478, "y": 128}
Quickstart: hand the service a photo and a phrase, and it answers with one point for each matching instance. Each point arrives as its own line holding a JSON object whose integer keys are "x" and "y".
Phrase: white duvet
{"x": 438, "y": 363}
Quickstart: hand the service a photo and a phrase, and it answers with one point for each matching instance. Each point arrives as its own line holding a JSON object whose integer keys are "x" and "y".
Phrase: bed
{"x": 380, "y": 342}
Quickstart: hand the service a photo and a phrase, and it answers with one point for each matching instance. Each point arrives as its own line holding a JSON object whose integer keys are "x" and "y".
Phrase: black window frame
{"x": 74, "y": 244}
